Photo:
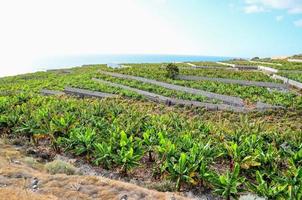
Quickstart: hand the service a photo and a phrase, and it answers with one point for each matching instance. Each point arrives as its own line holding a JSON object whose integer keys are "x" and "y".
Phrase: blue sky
{"x": 33, "y": 29}
{"x": 237, "y": 27}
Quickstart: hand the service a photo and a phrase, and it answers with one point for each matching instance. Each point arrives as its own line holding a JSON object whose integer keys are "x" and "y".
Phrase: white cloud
{"x": 292, "y": 6}
{"x": 33, "y": 28}
{"x": 298, "y": 23}
{"x": 296, "y": 10}
{"x": 279, "y": 18}
{"x": 253, "y": 9}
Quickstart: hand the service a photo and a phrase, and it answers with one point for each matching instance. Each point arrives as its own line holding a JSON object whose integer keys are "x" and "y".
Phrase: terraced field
{"x": 248, "y": 93}
{"x": 297, "y": 76}
{"x": 220, "y": 154}
{"x": 208, "y": 64}
{"x": 285, "y": 65}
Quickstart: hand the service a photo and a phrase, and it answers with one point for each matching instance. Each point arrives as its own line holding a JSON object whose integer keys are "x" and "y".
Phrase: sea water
{"x": 60, "y": 62}
{"x": 70, "y": 61}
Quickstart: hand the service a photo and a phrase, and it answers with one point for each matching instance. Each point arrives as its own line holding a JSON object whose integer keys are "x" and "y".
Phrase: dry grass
{"x": 16, "y": 178}
{"x": 60, "y": 167}
{"x": 18, "y": 194}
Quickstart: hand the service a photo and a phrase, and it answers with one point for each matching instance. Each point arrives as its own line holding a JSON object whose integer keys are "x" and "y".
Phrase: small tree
{"x": 255, "y": 58}
{"x": 172, "y": 71}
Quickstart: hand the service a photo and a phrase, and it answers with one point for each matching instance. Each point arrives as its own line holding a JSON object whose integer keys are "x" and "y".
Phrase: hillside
{"x": 201, "y": 129}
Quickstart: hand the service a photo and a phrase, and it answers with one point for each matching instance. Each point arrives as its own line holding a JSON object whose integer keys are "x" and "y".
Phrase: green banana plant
{"x": 269, "y": 189}
{"x": 150, "y": 141}
{"x": 228, "y": 185}
{"x": 204, "y": 174}
{"x": 61, "y": 124}
{"x": 269, "y": 158}
{"x": 293, "y": 179}
{"x": 129, "y": 152}
{"x": 80, "y": 141}
{"x": 182, "y": 171}
{"x": 244, "y": 153}
{"x": 104, "y": 155}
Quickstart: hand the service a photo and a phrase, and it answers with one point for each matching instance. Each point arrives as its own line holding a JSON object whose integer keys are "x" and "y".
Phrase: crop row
{"x": 81, "y": 77}
{"x": 54, "y": 81}
{"x": 293, "y": 76}
{"x": 208, "y": 64}
{"x": 249, "y": 93}
{"x": 286, "y": 65}
{"x": 215, "y": 73}
{"x": 237, "y": 75}
{"x": 118, "y": 134}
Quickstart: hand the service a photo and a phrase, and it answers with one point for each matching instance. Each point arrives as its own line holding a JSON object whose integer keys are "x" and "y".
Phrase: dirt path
{"x": 20, "y": 180}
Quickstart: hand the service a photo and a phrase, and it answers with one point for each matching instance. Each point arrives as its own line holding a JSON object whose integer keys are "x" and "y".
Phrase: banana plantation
{"x": 222, "y": 151}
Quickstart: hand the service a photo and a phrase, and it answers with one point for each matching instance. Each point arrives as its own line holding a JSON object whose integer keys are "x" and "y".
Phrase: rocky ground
{"x": 23, "y": 178}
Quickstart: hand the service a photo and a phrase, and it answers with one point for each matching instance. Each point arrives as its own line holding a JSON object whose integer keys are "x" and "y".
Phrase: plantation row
{"x": 222, "y": 151}
{"x": 209, "y": 64}
{"x": 294, "y": 76}
{"x": 81, "y": 78}
{"x": 172, "y": 101}
{"x": 248, "y": 93}
{"x": 285, "y": 65}
{"x": 120, "y": 135}
{"x": 277, "y": 64}
{"x": 238, "y": 75}
{"x": 227, "y": 99}
{"x": 234, "y": 81}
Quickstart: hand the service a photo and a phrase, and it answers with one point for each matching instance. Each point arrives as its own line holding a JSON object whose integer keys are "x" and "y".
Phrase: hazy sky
{"x": 32, "y": 29}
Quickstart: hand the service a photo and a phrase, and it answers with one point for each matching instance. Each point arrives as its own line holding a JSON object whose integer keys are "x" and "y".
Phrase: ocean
{"x": 71, "y": 61}
{"x": 60, "y": 62}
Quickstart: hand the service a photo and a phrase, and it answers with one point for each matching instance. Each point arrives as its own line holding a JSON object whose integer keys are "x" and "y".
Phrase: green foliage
{"x": 271, "y": 190}
{"x": 80, "y": 141}
{"x": 182, "y": 171}
{"x": 61, "y": 124}
{"x": 172, "y": 71}
{"x": 150, "y": 141}
{"x": 129, "y": 152}
{"x": 189, "y": 147}
{"x": 121, "y": 150}
{"x": 104, "y": 155}
{"x": 228, "y": 185}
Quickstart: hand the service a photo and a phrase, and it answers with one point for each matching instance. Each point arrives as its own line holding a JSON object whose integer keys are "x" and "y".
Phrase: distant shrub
{"x": 60, "y": 167}
{"x": 298, "y": 56}
{"x": 255, "y": 58}
{"x": 31, "y": 162}
{"x": 172, "y": 71}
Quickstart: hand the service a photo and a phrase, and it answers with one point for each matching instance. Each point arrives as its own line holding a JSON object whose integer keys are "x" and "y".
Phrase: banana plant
{"x": 80, "y": 141}
{"x": 28, "y": 127}
{"x": 182, "y": 171}
{"x": 104, "y": 155}
{"x": 293, "y": 180}
{"x": 4, "y": 103}
{"x": 267, "y": 188}
{"x": 166, "y": 151}
{"x": 61, "y": 124}
{"x": 183, "y": 167}
{"x": 129, "y": 152}
{"x": 150, "y": 141}
{"x": 11, "y": 119}
{"x": 269, "y": 158}
{"x": 228, "y": 185}
{"x": 242, "y": 154}
{"x": 204, "y": 173}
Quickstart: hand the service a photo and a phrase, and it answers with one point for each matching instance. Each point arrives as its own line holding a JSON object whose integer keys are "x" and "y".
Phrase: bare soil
{"x": 22, "y": 181}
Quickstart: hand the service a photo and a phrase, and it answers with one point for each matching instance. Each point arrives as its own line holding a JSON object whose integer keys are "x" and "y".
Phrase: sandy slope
{"x": 19, "y": 181}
